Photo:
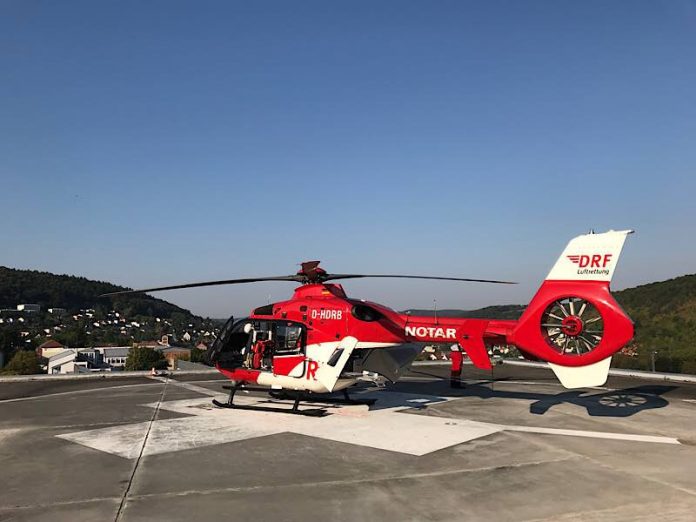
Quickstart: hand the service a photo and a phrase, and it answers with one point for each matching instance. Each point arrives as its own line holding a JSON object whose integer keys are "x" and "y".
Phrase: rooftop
{"x": 518, "y": 448}
{"x": 51, "y": 344}
{"x": 61, "y": 355}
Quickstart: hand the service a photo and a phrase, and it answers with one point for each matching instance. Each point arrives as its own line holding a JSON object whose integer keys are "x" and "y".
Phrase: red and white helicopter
{"x": 322, "y": 341}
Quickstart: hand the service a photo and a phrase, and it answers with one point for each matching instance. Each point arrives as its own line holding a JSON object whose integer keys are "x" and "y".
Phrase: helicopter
{"x": 322, "y": 341}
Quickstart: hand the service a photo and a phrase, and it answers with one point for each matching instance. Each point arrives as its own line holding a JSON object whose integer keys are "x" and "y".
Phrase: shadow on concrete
{"x": 613, "y": 403}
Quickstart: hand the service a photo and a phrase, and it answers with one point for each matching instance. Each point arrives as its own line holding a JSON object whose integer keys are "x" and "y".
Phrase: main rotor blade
{"x": 293, "y": 278}
{"x": 297, "y": 279}
{"x": 330, "y": 277}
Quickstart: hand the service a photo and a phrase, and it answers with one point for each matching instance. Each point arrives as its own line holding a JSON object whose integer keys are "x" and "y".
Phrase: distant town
{"x": 97, "y": 340}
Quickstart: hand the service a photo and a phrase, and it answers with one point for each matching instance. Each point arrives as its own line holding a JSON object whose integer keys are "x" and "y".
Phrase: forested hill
{"x": 76, "y": 293}
{"x": 664, "y": 313}
{"x": 489, "y": 312}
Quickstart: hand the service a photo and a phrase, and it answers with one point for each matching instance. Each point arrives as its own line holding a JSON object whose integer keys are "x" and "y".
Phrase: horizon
{"x": 406, "y": 309}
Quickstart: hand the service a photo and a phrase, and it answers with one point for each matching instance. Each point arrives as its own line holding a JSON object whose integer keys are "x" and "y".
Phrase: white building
{"x": 66, "y": 362}
{"x": 81, "y": 360}
{"x": 114, "y": 356}
{"x": 28, "y": 308}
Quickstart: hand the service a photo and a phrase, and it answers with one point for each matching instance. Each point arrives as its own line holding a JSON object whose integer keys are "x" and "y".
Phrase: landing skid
{"x": 295, "y": 410}
{"x": 346, "y": 399}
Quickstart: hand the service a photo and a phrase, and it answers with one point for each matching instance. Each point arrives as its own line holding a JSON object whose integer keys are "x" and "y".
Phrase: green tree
{"x": 9, "y": 339}
{"x": 197, "y": 356}
{"x": 24, "y": 362}
{"x": 74, "y": 337}
{"x": 144, "y": 359}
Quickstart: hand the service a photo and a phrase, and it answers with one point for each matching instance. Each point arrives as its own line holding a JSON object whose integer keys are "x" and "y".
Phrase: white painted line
{"x": 74, "y": 392}
{"x": 192, "y": 387}
{"x": 594, "y": 434}
{"x": 96, "y": 376}
{"x": 189, "y": 385}
{"x": 556, "y": 384}
{"x": 420, "y": 379}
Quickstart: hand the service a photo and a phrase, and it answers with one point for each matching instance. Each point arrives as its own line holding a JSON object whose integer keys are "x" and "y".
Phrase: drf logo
{"x": 593, "y": 261}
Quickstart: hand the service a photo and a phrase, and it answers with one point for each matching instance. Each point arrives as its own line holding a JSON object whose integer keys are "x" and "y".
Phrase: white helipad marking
{"x": 381, "y": 428}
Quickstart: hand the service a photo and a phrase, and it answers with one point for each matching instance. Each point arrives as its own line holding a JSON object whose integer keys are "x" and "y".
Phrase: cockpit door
{"x": 290, "y": 342}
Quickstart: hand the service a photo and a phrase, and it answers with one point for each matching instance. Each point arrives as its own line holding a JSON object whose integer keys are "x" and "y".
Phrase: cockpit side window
{"x": 289, "y": 338}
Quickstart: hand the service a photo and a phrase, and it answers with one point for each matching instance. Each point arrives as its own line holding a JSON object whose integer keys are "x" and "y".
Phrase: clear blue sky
{"x": 160, "y": 142}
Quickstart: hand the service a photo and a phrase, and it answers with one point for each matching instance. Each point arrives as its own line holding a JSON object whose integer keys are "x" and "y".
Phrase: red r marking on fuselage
{"x": 312, "y": 367}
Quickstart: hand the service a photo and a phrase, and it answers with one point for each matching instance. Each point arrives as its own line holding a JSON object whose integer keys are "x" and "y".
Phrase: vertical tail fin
{"x": 590, "y": 257}
{"x": 573, "y": 322}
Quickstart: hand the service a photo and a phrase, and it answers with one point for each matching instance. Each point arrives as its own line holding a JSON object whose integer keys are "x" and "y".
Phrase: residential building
{"x": 49, "y": 349}
{"x": 172, "y": 354}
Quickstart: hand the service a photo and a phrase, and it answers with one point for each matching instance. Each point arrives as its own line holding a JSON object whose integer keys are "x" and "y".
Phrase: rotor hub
{"x": 572, "y": 326}
{"x": 311, "y": 272}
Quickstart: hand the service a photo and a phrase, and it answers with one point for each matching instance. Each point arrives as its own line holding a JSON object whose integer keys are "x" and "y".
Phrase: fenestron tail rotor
{"x": 309, "y": 273}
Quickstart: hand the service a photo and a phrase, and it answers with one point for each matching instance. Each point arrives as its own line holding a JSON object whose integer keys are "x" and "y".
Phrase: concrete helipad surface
{"x": 515, "y": 447}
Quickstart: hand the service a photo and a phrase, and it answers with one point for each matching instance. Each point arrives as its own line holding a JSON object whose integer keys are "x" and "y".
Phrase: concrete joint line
{"x": 124, "y": 499}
